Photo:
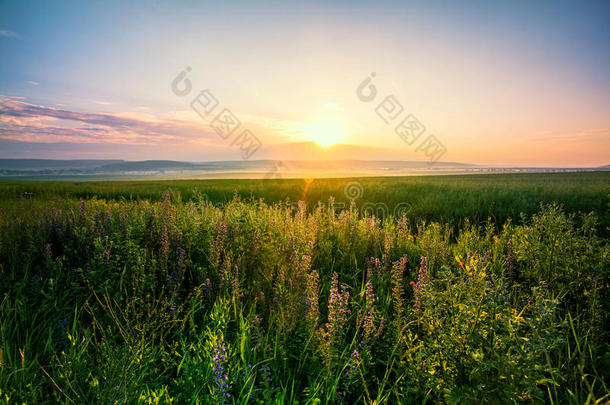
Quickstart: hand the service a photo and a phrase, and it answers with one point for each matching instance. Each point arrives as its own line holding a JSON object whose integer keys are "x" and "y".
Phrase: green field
{"x": 476, "y": 289}
{"x": 440, "y": 198}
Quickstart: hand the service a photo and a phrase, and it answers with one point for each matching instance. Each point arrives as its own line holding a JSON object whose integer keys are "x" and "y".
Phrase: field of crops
{"x": 456, "y": 289}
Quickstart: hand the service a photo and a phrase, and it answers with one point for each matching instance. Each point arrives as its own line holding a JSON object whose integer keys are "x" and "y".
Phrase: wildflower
{"x": 123, "y": 220}
{"x": 338, "y": 312}
{"x": 266, "y": 380}
{"x": 225, "y": 272}
{"x": 218, "y": 244}
{"x": 374, "y": 267}
{"x": 235, "y": 288}
{"x": 397, "y": 290}
{"x": 353, "y": 363}
{"x": 82, "y": 210}
{"x": 207, "y": 289}
{"x": 108, "y": 222}
{"x": 218, "y": 367}
{"x": 351, "y": 372}
{"x": 311, "y": 300}
{"x": 258, "y": 332}
{"x": 370, "y": 317}
{"x": 48, "y": 252}
{"x": 164, "y": 250}
{"x": 180, "y": 258}
{"x": 486, "y": 259}
{"x": 106, "y": 257}
{"x": 422, "y": 283}
{"x": 388, "y": 244}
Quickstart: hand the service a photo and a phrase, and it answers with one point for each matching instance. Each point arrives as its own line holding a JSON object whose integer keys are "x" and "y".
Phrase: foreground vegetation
{"x": 173, "y": 298}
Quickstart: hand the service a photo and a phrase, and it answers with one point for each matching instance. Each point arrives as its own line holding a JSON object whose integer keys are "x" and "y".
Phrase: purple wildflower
{"x": 352, "y": 365}
{"x": 422, "y": 283}
{"x": 373, "y": 266}
{"x": 219, "y": 368}
{"x": 388, "y": 244}
{"x": 164, "y": 250}
{"x": 370, "y": 315}
{"x": 267, "y": 379}
{"x": 338, "y": 310}
{"x": 351, "y": 373}
{"x": 397, "y": 290}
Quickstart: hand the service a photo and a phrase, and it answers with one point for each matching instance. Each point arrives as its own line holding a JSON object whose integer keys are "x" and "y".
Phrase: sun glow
{"x": 325, "y": 132}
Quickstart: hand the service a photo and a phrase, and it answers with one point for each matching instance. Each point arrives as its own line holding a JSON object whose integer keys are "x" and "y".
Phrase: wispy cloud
{"x": 32, "y": 82}
{"x": 8, "y": 33}
{"x": 14, "y": 97}
{"x": 27, "y": 122}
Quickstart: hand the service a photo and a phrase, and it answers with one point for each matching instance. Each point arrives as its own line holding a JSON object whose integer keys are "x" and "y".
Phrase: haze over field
{"x": 253, "y": 169}
{"x": 511, "y": 84}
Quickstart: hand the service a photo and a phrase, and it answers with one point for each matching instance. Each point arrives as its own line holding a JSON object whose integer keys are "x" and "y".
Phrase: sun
{"x": 325, "y": 132}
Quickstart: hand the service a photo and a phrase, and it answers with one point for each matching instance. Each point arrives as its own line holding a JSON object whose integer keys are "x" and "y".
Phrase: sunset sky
{"x": 496, "y": 83}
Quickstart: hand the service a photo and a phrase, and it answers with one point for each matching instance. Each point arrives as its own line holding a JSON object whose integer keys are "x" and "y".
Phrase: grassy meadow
{"x": 434, "y": 289}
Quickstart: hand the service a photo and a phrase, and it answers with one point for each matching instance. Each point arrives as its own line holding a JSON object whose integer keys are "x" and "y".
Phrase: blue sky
{"x": 497, "y": 82}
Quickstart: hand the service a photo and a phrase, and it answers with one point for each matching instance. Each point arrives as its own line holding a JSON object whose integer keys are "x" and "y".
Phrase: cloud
{"x": 14, "y": 97}
{"x": 26, "y": 122}
{"x": 22, "y": 121}
{"x": 8, "y": 33}
{"x": 32, "y": 82}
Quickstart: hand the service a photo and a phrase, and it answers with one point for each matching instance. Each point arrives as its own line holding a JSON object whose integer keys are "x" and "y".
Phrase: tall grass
{"x": 174, "y": 301}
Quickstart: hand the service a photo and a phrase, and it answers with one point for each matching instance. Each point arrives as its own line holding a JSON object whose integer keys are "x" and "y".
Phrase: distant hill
{"x": 42, "y": 164}
{"x": 147, "y": 165}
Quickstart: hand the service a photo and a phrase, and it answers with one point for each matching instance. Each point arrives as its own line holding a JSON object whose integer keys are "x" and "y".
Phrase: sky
{"x": 495, "y": 83}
